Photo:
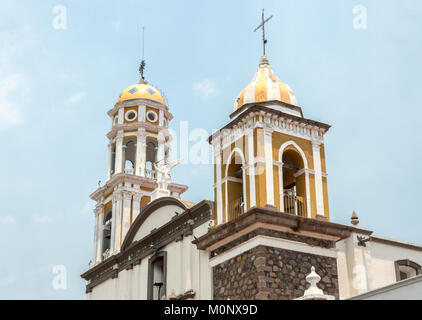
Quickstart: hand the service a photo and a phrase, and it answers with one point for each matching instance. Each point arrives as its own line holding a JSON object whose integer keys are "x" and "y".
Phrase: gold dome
{"x": 141, "y": 90}
{"x": 265, "y": 86}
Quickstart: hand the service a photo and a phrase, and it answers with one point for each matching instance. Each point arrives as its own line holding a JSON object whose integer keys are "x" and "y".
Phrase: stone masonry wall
{"x": 272, "y": 274}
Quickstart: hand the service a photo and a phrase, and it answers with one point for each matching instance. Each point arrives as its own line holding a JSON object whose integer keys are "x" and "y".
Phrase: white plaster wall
{"x": 362, "y": 269}
{"x": 157, "y": 219}
{"x": 104, "y": 291}
{"x": 133, "y": 283}
{"x": 383, "y": 256}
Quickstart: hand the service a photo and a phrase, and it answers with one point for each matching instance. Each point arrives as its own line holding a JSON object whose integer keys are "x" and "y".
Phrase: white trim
{"x": 281, "y": 187}
{"x": 160, "y": 118}
{"x": 308, "y": 195}
{"x": 305, "y": 169}
{"x": 129, "y": 112}
{"x": 269, "y": 175}
{"x": 316, "y": 154}
{"x": 120, "y": 115}
{"x": 251, "y": 169}
{"x": 152, "y": 112}
{"x": 271, "y": 242}
{"x": 141, "y": 113}
{"x": 219, "y": 191}
{"x": 299, "y": 149}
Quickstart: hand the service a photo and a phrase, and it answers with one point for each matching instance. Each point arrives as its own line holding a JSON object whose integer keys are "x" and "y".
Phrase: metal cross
{"x": 262, "y": 25}
{"x": 142, "y": 65}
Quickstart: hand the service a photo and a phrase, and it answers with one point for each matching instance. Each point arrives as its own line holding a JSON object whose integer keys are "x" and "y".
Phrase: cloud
{"x": 207, "y": 88}
{"x": 42, "y": 219}
{"x": 6, "y": 219}
{"x": 10, "y": 114}
{"x": 76, "y": 97}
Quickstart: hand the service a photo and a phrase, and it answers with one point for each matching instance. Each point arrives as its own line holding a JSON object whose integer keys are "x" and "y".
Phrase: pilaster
{"x": 316, "y": 154}
{"x": 269, "y": 176}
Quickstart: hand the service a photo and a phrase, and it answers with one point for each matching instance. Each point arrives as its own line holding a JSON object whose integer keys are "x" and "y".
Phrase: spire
{"x": 262, "y": 26}
{"x": 142, "y": 65}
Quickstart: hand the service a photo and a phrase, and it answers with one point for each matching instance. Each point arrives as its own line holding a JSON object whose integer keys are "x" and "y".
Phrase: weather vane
{"x": 262, "y": 25}
{"x": 142, "y": 65}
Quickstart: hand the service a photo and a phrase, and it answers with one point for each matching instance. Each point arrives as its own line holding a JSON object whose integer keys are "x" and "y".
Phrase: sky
{"x": 59, "y": 78}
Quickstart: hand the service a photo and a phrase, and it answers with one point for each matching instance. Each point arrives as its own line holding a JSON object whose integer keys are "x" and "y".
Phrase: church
{"x": 267, "y": 234}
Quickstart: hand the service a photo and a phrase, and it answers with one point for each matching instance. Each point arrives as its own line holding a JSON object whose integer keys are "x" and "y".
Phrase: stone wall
{"x": 270, "y": 273}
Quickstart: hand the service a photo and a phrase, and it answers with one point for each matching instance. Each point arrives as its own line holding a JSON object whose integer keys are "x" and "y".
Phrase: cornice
{"x": 119, "y": 178}
{"x": 140, "y": 102}
{"x": 134, "y": 127}
{"x": 270, "y": 118}
{"x": 272, "y": 217}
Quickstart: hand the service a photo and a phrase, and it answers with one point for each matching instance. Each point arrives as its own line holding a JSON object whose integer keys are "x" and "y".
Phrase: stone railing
{"x": 150, "y": 174}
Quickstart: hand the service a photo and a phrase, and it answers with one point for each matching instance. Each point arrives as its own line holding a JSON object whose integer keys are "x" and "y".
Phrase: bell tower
{"x": 138, "y": 165}
{"x": 271, "y": 215}
{"x": 269, "y": 155}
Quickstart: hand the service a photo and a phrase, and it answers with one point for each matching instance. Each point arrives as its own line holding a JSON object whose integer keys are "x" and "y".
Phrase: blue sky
{"x": 56, "y": 86}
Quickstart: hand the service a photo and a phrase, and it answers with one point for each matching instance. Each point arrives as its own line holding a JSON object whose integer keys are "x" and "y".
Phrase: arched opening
{"x": 294, "y": 182}
{"x": 151, "y": 158}
{"x": 129, "y": 156}
{"x": 157, "y": 272}
{"x": 106, "y": 241}
{"x": 406, "y": 269}
{"x": 235, "y": 186}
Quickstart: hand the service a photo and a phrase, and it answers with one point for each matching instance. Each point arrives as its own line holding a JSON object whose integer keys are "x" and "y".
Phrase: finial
{"x": 142, "y": 65}
{"x": 313, "y": 278}
{"x": 262, "y": 26}
{"x": 264, "y": 61}
{"x": 313, "y": 292}
{"x": 354, "y": 219}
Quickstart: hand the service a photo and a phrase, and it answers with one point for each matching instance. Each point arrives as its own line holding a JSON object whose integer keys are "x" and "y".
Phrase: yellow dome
{"x": 141, "y": 91}
{"x": 265, "y": 86}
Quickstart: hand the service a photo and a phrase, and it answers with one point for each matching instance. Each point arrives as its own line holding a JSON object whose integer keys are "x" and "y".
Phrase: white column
{"x": 127, "y": 204}
{"x": 245, "y": 197}
{"x": 110, "y": 155}
{"x": 118, "y": 221}
{"x": 99, "y": 232}
{"x": 188, "y": 260}
{"x": 141, "y": 113}
{"x": 269, "y": 177}
{"x": 141, "y": 152}
{"x": 119, "y": 152}
{"x": 251, "y": 165}
{"x": 219, "y": 200}
{"x": 308, "y": 195}
{"x": 281, "y": 186}
{"x": 161, "y": 118}
{"x": 121, "y": 115}
{"x": 136, "y": 205}
{"x": 113, "y": 223}
{"x": 318, "y": 177}
{"x": 96, "y": 232}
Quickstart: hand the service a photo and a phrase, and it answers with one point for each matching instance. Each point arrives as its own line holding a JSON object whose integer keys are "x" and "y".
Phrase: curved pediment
{"x": 152, "y": 216}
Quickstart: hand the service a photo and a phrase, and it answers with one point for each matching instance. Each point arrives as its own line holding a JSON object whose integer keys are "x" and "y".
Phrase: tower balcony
{"x": 236, "y": 208}
{"x": 293, "y": 204}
